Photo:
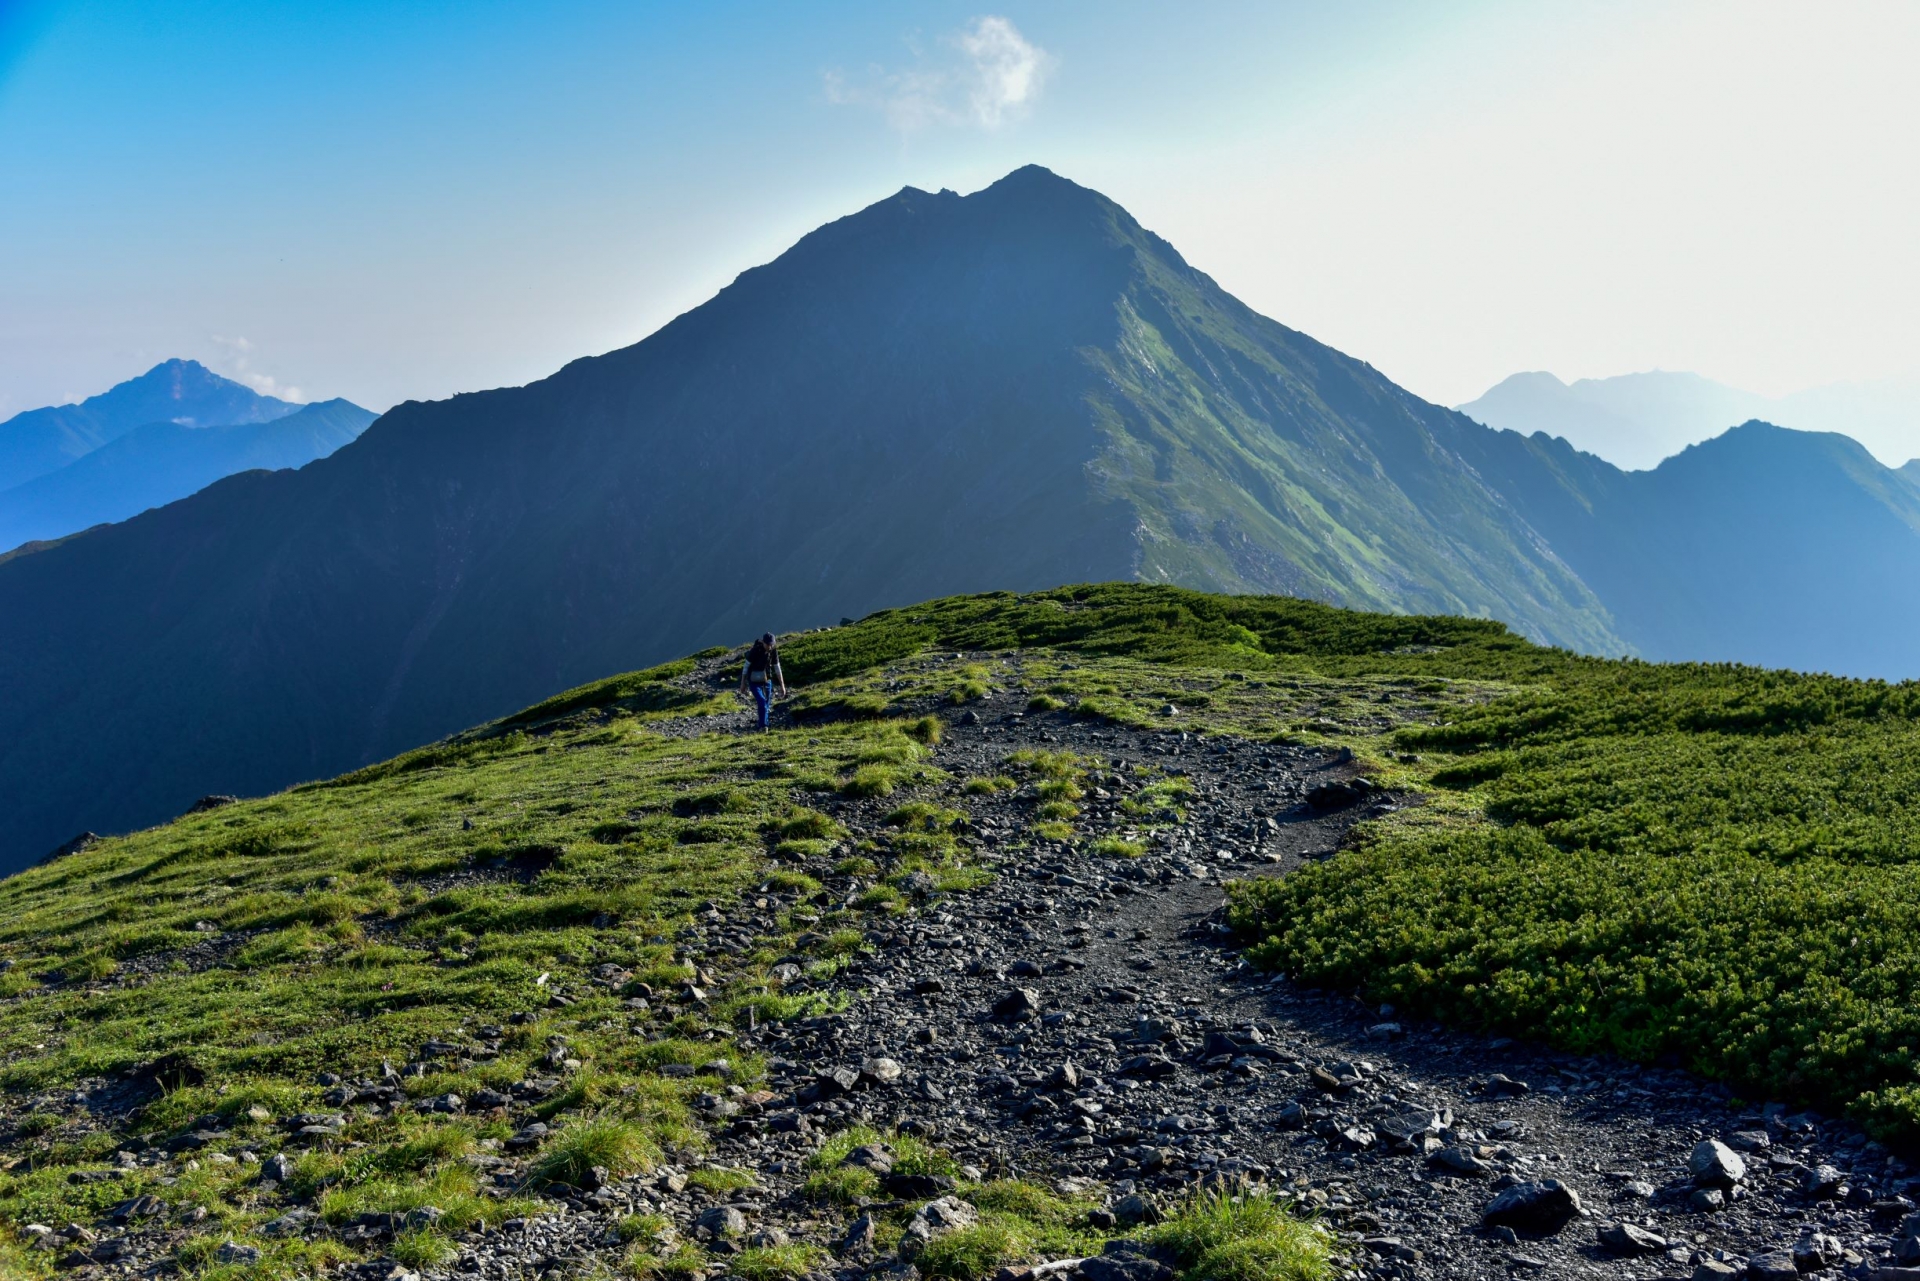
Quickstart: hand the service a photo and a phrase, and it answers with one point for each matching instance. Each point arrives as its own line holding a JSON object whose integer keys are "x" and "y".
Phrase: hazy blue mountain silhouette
{"x": 153, "y": 465}
{"x": 178, "y": 391}
{"x": 1636, "y": 420}
{"x": 1764, "y": 545}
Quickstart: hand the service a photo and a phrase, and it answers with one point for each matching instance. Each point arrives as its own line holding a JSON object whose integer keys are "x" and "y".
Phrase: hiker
{"x": 759, "y": 674}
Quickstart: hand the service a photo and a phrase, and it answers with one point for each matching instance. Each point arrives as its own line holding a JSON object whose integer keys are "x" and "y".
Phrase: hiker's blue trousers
{"x": 763, "y": 700}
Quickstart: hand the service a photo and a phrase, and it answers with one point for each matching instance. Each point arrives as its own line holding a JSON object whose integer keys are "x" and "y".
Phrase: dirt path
{"x": 1084, "y": 1017}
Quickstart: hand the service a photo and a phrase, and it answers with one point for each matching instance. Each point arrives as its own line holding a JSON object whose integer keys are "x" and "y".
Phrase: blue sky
{"x": 400, "y": 200}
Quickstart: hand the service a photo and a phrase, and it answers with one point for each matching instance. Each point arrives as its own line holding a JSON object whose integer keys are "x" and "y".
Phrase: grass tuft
{"x": 1244, "y": 1236}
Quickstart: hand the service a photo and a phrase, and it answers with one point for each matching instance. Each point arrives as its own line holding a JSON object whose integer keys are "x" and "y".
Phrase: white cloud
{"x": 988, "y": 75}
{"x": 237, "y": 358}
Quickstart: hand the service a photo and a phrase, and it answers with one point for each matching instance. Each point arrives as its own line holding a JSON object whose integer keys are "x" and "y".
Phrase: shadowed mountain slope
{"x": 160, "y": 462}
{"x": 936, "y": 395}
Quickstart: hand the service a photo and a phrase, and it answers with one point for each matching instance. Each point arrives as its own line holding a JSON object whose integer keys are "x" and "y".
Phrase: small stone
{"x": 234, "y": 1252}
{"x": 1715, "y": 1165}
{"x": 836, "y": 1080}
{"x": 1459, "y": 1159}
{"x": 1134, "y": 1209}
{"x": 1502, "y": 1086}
{"x": 1707, "y": 1200}
{"x": 1714, "y": 1270}
{"x": 723, "y": 1221}
{"x": 871, "y": 1156}
{"x": 1627, "y": 1238}
{"x": 289, "y": 1224}
{"x": 937, "y": 1218}
{"x": 1772, "y": 1265}
{"x": 278, "y": 1168}
{"x": 1126, "y": 1261}
{"x": 1017, "y": 1005}
{"x": 1415, "y": 1123}
{"x": 1816, "y": 1250}
{"x": 1822, "y": 1182}
{"x": 917, "y": 1187}
{"x": 880, "y": 1070}
{"x": 1750, "y": 1140}
{"x": 1639, "y": 1189}
{"x": 859, "y": 1237}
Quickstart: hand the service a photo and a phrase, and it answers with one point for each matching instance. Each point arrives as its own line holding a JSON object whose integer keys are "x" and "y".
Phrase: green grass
{"x": 721, "y": 1181}
{"x": 1020, "y": 1222}
{"x": 777, "y": 1262}
{"x": 613, "y": 837}
{"x": 1712, "y": 862}
{"x": 1243, "y": 1236}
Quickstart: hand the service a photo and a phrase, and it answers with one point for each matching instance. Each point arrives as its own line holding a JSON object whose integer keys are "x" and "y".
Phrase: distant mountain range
{"x": 153, "y": 465}
{"x": 938, "y": 394}
{"x": 176, "y": 391}
{"x": 1636, "y": 420}
{"x": 168, "y": 433}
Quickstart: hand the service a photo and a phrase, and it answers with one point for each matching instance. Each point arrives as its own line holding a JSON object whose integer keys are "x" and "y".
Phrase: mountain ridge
{"x": 934, "y": 395}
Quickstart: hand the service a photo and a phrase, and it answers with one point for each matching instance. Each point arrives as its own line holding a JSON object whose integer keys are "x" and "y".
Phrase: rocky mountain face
{"x": 939, "y": 394}
{"x": 183, "y": 392}
{"x": 156, "y": 464}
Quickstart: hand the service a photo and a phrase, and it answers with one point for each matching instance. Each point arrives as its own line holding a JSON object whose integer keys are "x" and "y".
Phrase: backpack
{"x": 760, "y": 658}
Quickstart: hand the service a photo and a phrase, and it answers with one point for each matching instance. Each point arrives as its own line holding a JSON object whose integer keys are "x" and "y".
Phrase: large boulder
{"x": 1538, "y": 1208}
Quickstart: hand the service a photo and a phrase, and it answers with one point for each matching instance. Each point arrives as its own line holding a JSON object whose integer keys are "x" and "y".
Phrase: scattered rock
{"x": 859, "y": 1237}
{"x": 724, "y": 1221}
{"x": 1715, "y": 1165}
{"x": 1134, "y": 1209}
{"x": 1538, "y": 1208}
{"x": 1017, "y": 1005}
{"x": 1822, "y": 1182}
{"x": 1628, "y": 1238}
{"x": 937, "y": 1218}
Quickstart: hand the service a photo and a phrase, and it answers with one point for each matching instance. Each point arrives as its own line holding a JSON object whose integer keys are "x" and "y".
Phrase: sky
{"x": 404, "y": 200}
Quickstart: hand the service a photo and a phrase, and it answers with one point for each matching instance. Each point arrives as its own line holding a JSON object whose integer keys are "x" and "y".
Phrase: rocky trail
{"x": 1088, "y": 1022}
{"x": 1091, "y": 1019}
